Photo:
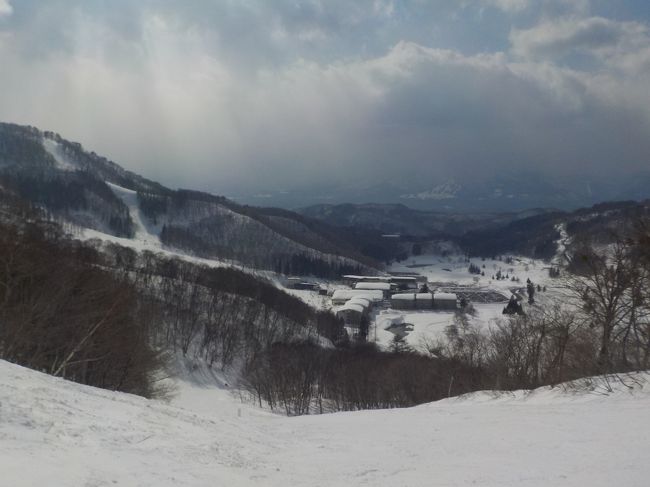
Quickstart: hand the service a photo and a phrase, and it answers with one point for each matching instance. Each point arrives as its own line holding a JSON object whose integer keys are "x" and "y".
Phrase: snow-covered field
{"x": 57, "y": 433}
{"x": 453, "y": 271}
{"x": 428, "y": 325}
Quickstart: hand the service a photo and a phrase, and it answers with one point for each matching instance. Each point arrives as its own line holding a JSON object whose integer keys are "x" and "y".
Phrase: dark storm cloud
{"x": 228, "y": 95}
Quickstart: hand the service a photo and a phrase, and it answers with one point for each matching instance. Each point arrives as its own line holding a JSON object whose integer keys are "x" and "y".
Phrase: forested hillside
{"x": 111, "y": 317}
{"x": 108, "y": 316}
{"x": 539, "y": 236}
{"x": 73, "y": 193}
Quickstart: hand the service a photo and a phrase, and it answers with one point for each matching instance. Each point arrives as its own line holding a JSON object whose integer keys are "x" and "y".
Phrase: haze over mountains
{"x": 81, "y": 188}
{"x": 505, "y": 193}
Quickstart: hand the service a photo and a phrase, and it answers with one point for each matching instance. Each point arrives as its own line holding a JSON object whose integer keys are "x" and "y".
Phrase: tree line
{"x": 302, "y": 377}
{"x": 63, "y": 314}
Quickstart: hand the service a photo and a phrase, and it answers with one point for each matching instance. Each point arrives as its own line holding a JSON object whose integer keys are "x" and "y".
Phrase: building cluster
{"x": 399, "y": 291}
{"x": 402, "y": 291}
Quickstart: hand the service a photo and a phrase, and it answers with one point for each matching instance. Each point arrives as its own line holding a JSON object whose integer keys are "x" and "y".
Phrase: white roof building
{"x": 347, "y": 294}
{"x": 403, "y": 297}
{"x": 373, "y": 286}
{"x": 445, "y": 296}
{"x": 358, "y": 308}
{"x": 365, "y": 302}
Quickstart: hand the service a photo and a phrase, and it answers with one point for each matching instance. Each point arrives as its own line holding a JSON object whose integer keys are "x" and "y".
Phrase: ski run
{"x": 59, "y": 433}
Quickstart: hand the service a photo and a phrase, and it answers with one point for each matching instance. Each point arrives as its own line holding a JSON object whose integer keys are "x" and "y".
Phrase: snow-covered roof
{"x": 445, "y": 296}
{"x": 382, "y": 286}
{"x": 351, "y": 307}
{"x": 365, "y": 302}
{"x": 352, "y": 277}
{"x": 346, "y": 294}
{"x": 414, "y": 296}
{"x": 406, "y": 296}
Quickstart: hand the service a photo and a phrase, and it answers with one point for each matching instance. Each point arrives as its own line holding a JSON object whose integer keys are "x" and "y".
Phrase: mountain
{"x": 89, "y": 191}
{"x": 534, "y": 233}
{"x": 400, "y": 219}
{"x": 446, "y": 191}
{"x": 541, "y": 235}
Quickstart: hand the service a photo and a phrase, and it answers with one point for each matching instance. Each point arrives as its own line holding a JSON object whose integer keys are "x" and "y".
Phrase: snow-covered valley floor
{"x": 57, "y": 433}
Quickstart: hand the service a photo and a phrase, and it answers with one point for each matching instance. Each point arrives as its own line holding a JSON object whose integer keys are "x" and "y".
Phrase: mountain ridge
{"x": 73, "y": 184}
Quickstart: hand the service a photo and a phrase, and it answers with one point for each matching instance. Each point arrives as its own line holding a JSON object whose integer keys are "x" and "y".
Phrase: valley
{"x": 324, "y": 243}
{"x": 264, "y": 338}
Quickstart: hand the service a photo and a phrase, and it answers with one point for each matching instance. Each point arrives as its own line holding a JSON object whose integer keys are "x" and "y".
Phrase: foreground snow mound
{"x": 58, "y": 433}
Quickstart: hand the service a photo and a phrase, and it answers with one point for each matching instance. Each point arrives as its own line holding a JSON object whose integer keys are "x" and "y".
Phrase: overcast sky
{"x": 239, "y": 95}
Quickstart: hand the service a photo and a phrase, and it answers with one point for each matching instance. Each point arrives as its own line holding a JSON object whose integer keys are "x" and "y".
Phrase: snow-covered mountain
{"x": 445, "y": 191}
{"x": 54, "y": 432}
{"x": 89, "y": 191}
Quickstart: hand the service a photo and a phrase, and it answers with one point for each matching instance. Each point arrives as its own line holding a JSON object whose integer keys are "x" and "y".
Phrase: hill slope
{"x": 78, "y": 435}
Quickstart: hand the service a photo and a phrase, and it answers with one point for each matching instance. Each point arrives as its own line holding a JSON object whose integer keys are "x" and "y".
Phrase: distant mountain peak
{"x": 445, "y": 191}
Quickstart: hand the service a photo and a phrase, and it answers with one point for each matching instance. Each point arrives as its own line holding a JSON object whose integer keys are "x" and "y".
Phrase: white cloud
{"x": 596, "y": 36}
{"x": 196, "y": 104}
{"x": 5, "y": 8}
{"x": 508, "y": 5}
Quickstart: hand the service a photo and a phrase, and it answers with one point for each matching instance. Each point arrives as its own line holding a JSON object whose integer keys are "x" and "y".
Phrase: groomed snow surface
{"x": 58, "y": 433}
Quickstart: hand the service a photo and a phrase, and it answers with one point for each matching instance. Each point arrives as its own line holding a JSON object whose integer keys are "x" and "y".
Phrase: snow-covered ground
{"x": 145, "y": 232}
{"x": 454, "y": 269}
{"x": 427, "y": 325}
{"x": 57, "y": 433}
{"x": 449, "y": 271}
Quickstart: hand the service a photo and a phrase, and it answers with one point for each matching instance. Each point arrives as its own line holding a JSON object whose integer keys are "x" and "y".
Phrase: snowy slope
{"x": 55, "y": 151}
{"x": 147, "y": 234}
{"x": 59, "y": 433}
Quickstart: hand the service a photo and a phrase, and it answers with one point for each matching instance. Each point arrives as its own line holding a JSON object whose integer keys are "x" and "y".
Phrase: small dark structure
{"x": 513, "y": 307}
